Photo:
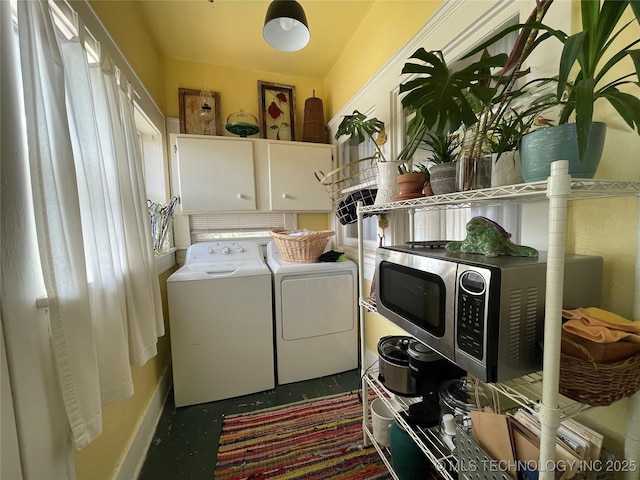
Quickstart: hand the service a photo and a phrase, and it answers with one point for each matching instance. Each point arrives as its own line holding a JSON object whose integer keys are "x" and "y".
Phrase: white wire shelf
{"x": 427, "y": 439}
{"x": 383, "y": 452}
{"x": 510, "y": 194}
{"x": 525, "y": 391}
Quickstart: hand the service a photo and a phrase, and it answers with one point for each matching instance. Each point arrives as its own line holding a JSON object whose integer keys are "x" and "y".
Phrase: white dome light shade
{"x": 285, "y": 26}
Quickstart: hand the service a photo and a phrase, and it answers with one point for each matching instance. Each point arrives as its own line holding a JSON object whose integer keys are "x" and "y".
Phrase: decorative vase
{"x": 473, "y": 169}
{"x": 387, "y": 183}
{"x": 443, "y": 178}
{"x": 506, "y": 170}
{"x": 410, "y": 185}
{"x": 542, "y": 147}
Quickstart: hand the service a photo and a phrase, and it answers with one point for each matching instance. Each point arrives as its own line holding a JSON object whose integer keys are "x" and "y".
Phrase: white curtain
{"x": 91, "y": 216}
{"x": 104, "y": 268}
{"x": 58, "y": 220}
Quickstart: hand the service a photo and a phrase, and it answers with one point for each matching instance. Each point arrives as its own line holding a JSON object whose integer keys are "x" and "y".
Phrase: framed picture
{"x": 199, "y": 112}
{"x": 277, "y": 107}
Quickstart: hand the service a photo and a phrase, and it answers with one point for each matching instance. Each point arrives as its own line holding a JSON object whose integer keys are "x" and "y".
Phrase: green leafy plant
{"x": 444, "y": 147}
{"x": 359, "y": 127}
{"x": 416, "y": 131}
{"x": 591, "y": 50}
{"x": 506, "y": 135}
{"x": 447, "y": 99}
{"x": 440, "y": 96}
{"x": 421, "y": 168}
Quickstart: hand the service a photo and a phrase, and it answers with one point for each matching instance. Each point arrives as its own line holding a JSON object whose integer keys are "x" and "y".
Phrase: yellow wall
{"x": 314, "y": 221}
{"x": 238, "y": 89}
{"x": 609, "y": 228}
{"x": 387, "y": 27}
{"x": 102, "y": 458}
{"x": 127, "y": 29}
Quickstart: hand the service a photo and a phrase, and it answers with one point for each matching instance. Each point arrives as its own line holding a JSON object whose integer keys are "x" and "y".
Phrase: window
{"x": 451, "y": 224}
{"x": 154, "y": 166}
{"x": 224, "y": 226}
{"x": 350, "y": 151}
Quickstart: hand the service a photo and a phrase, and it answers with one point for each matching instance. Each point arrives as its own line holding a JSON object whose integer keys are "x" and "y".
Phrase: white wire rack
{"x": 511, "y": 194}
{"x": 525, "y": 391}
{"x": 427, "y": 439}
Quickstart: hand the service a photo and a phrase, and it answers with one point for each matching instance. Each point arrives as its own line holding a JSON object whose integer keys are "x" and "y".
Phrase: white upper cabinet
{"x": 292, "y": 183}
{"x": 215, "y": 174}
{"x": 222, "y": 174}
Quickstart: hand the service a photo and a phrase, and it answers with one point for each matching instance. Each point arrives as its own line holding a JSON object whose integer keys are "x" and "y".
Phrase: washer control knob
{"x": 225, "y": 251}
{"x": 240, "y": 249}
{"x": 211, "y": 251}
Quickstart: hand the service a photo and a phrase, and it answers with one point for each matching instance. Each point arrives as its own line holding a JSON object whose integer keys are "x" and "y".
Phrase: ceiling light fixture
{"x": 285, "y": 26}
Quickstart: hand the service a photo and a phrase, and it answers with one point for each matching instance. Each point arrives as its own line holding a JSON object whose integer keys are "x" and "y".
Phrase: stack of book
{"x": 513, "y": 440}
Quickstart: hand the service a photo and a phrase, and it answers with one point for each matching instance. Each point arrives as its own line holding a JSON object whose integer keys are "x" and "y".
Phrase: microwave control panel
{"x": 471, "y": 308}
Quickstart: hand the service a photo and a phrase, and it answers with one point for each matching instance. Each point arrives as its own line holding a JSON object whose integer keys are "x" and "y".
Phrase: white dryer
{"x": 220, "y": 318}
{"x": 316, "y": 317}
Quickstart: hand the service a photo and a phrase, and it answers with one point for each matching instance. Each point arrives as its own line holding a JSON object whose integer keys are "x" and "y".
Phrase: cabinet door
{"x": 292, "y": 184}
{"x": 215, "y": 174}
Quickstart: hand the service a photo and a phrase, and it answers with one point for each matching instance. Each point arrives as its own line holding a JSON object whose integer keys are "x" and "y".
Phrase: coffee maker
{"x": 429, "y": 369}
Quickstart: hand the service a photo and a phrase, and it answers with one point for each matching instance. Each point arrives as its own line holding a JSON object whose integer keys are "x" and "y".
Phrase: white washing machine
{"x": 316, "y": 317}
{"x": 220, "y": 315}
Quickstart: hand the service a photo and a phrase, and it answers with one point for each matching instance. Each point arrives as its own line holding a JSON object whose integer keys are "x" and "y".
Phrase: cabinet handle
{"x": 240, "y": 196}
{"x": 284, "y": 195}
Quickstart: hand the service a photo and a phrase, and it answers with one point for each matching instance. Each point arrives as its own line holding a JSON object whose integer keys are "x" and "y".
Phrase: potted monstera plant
{"x": 360, "y": 127}
{"x": 600, "y": 73}
{"x": 476, "y": 97}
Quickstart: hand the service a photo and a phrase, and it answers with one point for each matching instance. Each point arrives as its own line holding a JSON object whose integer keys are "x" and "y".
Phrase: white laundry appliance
{"x": 316, "y": 317}
{"x": 220, "y": 316}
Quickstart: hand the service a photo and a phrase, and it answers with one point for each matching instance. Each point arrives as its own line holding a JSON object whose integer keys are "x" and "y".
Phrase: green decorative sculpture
{"x": 486, "y": 237}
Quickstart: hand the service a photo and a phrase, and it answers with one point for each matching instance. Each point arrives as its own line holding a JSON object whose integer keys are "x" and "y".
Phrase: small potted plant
{"x": 590, "y": 49}
{"x": 358, "y": 126}
{"x": 411, "y": 180}
{"x": 444, "y": 152}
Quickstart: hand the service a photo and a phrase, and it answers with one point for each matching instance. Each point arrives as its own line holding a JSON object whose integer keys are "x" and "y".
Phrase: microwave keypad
{"x": 470, "y": 332}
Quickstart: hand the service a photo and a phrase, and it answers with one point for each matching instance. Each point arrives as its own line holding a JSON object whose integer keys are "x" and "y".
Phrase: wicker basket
{"x": 304, "y": 248}
{"x": 598, "y": 384}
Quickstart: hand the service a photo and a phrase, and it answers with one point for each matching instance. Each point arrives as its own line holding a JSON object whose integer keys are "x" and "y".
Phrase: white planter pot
{"x": 506, "y": 170}
{"x": 387, "y": 183}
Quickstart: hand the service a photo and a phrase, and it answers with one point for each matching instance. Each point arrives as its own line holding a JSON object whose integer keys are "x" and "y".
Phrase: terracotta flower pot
{"x": 410, "y": 185}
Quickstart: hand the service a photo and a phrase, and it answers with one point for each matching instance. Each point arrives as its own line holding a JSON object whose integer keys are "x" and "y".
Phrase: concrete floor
{"x": 185, "y": 443}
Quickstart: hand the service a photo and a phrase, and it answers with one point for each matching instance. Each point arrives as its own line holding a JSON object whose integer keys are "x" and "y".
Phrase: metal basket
{"x": 347, "y": 179}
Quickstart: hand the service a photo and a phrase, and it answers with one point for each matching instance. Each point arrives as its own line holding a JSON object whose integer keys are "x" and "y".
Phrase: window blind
{"x": 239, "y": 222}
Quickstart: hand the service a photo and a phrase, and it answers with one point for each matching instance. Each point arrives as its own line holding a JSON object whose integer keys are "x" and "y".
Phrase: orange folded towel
{"x": 600, "y": 325}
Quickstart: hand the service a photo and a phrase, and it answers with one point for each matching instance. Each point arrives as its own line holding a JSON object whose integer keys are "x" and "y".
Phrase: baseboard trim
{"x": 135, "y": 456}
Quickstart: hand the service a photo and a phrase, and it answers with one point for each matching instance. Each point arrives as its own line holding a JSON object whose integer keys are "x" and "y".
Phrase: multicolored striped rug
{"x": 315, "y": 439}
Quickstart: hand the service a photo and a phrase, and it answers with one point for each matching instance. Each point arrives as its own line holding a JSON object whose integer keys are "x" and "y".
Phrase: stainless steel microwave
{"x": 484, "y": 314}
